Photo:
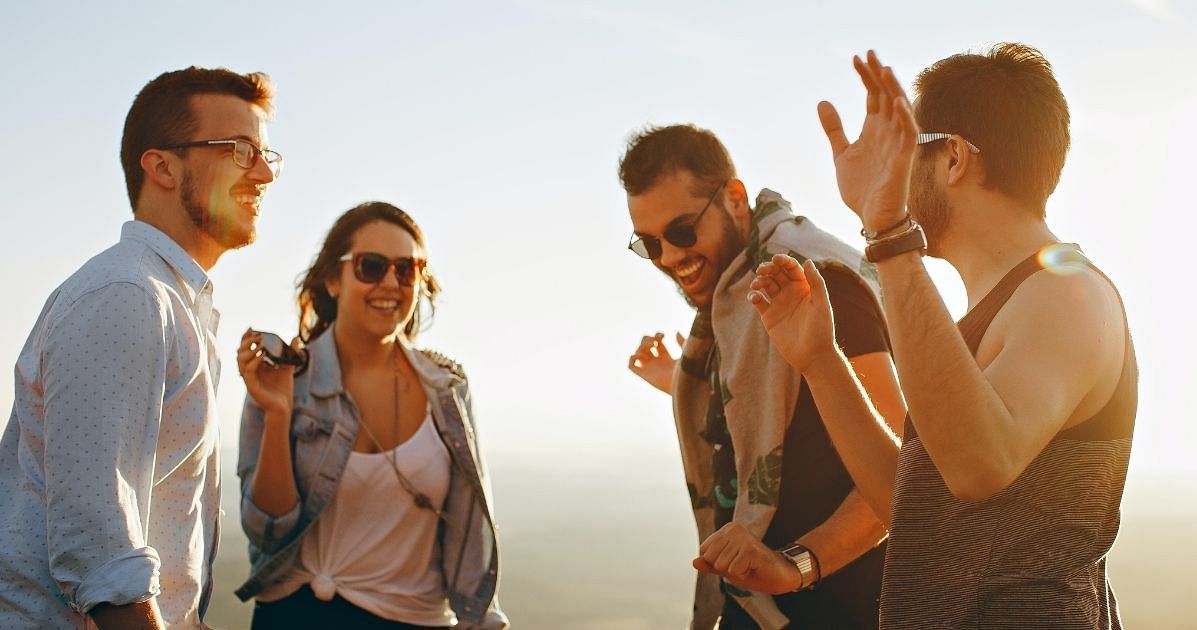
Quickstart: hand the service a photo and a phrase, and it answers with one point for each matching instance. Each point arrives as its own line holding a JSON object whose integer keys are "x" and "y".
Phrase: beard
{"x": 731, "y": 243}
{"x": 929, "y": 206}
{"x": 222, "y": 228}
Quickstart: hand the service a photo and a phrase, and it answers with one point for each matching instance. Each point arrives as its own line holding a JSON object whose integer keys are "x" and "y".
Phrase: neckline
{"x": 411, "y": 438}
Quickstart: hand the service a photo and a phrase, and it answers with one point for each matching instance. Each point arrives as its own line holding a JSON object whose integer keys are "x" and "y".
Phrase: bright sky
{"x": 499, "y": 125}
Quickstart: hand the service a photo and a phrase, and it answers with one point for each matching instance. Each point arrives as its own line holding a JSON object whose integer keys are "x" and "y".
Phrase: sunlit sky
{"x": 499, "y": 125}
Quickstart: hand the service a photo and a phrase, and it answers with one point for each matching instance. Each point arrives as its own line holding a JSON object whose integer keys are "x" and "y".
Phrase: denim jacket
{"x": 324, "y": 426}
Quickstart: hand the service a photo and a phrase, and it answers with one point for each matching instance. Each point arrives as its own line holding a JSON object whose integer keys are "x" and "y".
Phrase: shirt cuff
{"x": 126, "y": 579}
{"x": 264, "y": 530}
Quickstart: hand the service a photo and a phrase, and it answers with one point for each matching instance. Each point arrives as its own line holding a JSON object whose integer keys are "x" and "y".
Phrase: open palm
{"x": 792, "y": 302}
{"x": 873, "y": 173}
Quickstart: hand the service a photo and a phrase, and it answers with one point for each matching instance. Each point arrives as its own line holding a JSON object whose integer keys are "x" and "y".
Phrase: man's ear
{"x": 162, "y": 169}
{"x": 961, "y": 160}
{"x": 735, "y": 196}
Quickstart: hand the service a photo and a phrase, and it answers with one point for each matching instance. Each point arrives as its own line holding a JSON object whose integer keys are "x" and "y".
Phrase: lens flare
{"x": 1062, "y": 259}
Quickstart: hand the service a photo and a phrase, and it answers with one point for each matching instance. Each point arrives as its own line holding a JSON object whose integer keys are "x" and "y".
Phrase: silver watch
{"x": 806, "y": 562}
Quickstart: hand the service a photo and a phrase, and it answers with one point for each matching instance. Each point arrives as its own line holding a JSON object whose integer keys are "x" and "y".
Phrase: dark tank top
{"x": 1033, "y": 555}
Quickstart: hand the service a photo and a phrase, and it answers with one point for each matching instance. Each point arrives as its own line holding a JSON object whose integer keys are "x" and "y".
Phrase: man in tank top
{"x": 1014, "y": 454}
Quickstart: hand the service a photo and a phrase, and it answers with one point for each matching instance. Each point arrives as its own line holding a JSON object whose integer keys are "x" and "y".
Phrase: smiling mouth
{"x": 251, "y": 201}
{"x": 687, "y": 274}
{"x": 388, "y": 306}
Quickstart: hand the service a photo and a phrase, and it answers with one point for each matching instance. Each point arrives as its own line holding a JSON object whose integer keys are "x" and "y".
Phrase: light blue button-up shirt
{"x": 109, "y": 477}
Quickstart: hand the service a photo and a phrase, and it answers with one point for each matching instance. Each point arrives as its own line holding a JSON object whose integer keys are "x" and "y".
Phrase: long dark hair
{"x": 318, "y": 309}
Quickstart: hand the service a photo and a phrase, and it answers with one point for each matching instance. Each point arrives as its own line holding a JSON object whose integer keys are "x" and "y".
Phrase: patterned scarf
{"x": 759, "y": 392}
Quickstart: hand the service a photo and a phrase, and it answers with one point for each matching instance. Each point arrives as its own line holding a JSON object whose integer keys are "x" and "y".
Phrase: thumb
{"x": 833, "y": 127}
{"x": 818, "y": 287}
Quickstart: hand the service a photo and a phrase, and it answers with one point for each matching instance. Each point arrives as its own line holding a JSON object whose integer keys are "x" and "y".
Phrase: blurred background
{"x": 499, "y": 126}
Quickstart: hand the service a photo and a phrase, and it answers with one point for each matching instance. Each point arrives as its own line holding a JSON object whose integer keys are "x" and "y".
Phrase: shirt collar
{"x": 191, "y": 273}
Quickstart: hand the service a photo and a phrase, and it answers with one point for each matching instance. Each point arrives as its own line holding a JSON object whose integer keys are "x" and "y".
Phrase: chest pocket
{"x": 310, "y": 433}
{"x": 307, "y": 426}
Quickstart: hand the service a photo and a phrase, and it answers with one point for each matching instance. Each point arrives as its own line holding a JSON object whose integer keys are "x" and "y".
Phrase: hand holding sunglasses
{"x": 372, "y": 267}
{"x": 684, "y": 235}
{"x": 276, "y": 352}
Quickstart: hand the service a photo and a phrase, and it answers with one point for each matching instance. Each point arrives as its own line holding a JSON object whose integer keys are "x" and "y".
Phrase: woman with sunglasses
{"x": 364, "y": 494}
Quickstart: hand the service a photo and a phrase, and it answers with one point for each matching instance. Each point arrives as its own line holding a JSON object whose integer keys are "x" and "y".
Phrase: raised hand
{"x": 873, "y": 172}
{"x": 792, "y": 302}
{"x": 734, "y": 553}
{"x": 653, "y": 363}
{"x": 270, "y": 387}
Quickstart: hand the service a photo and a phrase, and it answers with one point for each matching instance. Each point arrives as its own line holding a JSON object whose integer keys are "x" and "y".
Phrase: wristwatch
{"x": 890, "y": 246}
{"x": 807, "y": 563}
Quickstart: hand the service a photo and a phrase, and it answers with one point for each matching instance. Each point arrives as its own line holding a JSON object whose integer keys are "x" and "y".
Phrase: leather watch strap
{"x": 910, "y": 240}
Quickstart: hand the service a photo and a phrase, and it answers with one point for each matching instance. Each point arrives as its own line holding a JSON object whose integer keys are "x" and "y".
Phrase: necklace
{"x": 421, "y": 500}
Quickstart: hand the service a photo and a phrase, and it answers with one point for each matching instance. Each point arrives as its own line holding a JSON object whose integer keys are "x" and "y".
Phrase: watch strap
{"x": 806, "y": 563}
{"x": 910, "y": 240}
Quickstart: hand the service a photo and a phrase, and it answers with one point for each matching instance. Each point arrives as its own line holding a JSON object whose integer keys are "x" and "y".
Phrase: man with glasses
{"x": 758, "y": 462}
{"x": 1010, "y": 473}
{"x": 109, "y": 475}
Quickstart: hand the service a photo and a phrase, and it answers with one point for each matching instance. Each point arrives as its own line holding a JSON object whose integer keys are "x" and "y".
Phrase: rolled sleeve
{"x": 104, "y": 368}
{"x": 109, "y": 583}
{"x": 264, "y": 531}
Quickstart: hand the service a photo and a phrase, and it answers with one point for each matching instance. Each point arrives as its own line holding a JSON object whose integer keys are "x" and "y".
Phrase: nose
{"x": 261, "y": 171}
{"x": 389, "y": 279}
{"x": 671, "y": 255}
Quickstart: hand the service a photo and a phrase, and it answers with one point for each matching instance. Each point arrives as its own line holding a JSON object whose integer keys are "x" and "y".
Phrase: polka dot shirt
{"x": 109, "y": 478}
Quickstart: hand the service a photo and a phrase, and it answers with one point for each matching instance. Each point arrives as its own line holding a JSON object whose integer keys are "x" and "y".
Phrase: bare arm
{"x": 982, "y": 426}
{"x": 273, "y": 488}
{"x": 855, "y": 527}
{"x": 269, "y": 496}
{"x": 137, "y": 616}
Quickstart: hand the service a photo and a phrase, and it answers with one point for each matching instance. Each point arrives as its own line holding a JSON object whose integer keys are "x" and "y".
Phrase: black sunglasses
{"x": 276, "y": 352}
{"x": 684, "y": 235}
{"x": 371, "y": 267}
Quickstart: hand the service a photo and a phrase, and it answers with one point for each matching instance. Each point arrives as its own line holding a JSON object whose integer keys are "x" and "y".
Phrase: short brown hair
{"x": 161, "y": 114}
{"x": 318, "y": 309}
{"x": 1007, "y": 102}
{"x": 657, "y": 152}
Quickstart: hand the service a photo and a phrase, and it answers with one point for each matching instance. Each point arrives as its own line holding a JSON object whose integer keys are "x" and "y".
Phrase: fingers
{"x": 872, "y": 86}
{"x": 818, "y": 287}
{"x": 681, "y": 340}
{"x": 833, "y": 127}
{"x": 650, "y": 349}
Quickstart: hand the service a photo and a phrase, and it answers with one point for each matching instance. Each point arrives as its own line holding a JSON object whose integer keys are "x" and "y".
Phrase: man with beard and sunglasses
{"x": 1003, "y": 494}
{"x": 757, "y": 459}
{"x": 109, "y": 471}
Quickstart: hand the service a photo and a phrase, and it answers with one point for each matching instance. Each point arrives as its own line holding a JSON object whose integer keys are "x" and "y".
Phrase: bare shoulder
{"x": 1065, "y": 328}
{"x": 1073, "y": 294}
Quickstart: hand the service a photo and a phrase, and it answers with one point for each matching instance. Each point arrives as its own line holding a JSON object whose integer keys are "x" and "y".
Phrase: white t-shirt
{"x": 372, "y": 545}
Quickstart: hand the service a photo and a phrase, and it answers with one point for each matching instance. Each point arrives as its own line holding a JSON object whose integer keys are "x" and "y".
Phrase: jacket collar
{"x": 326, "y": 368}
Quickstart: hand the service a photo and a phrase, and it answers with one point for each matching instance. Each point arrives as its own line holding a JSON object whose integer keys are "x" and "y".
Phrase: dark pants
{"x": 302, "y": 609}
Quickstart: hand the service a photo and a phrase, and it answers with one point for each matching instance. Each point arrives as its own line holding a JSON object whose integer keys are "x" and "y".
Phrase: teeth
{"x": 683, "y": 273}
{"x": 384, "y": 304}
{"x": 248, "y": 200}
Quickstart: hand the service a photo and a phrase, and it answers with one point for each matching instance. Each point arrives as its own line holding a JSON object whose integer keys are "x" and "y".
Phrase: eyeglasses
{"x": 684, "y": 235}
{"x": 371, "y": 268}
{"x": 245, "y": 153}
{"x": 924, "y": 138}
